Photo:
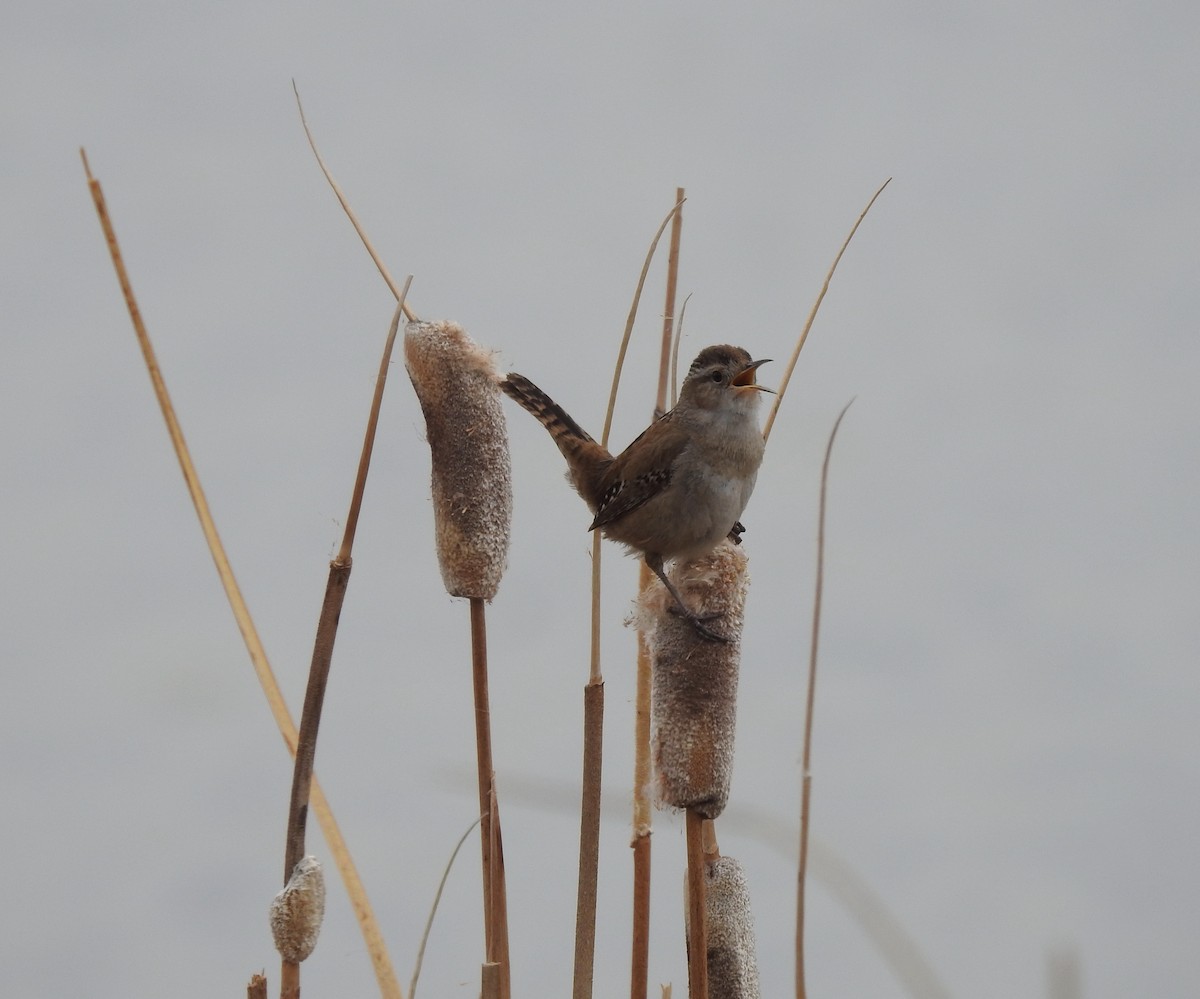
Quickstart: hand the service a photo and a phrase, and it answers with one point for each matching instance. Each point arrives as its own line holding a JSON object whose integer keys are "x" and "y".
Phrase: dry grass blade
{"x": 437, "y": 898}
{"x": 810, "y": 700}
{"x": 675, "y": 351}
{"x": 633, "y": 308}
{"x": 389, "y": 986}
{"x": 791, "y": 366}
{"x": 337, "y": 190}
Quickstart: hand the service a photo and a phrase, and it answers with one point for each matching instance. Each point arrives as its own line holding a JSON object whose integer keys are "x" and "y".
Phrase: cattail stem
{"x": 289, "y": 981}
{"x": 642, "y": 813}
{"x": 697, "y": 915}
{"x": 589, "y": 839}
{"x": 495, "y": 923}
{"x": 322, "y": 655}
{"x": 640, "y": 971}
{"x": 310, "y": 718}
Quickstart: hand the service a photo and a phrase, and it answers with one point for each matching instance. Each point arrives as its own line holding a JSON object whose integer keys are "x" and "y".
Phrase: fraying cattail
{"x": 456, "y": 383}
{"x": 694, "y": 701}
{"x": 732, "y": 964}
{"x": 297, "y": 911}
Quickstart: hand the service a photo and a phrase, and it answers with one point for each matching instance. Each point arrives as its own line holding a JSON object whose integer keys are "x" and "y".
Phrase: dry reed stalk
{"x": 257, "y": 987}
{"x": 456, "y": 383}
{"x": 369, "y": 927}
{"x": 642, "y": 814}
{"x": 437, "y": 898}
{"x": 696, "y": 908}
{"x": 593, "y": 703}
{"x": 810, "y": 700}
{"x": 322, "y": 655}
{"x": 358, "y": 227}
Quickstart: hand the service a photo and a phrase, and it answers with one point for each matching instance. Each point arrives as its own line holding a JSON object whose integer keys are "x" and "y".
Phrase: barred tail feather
{"x": 565, "y": 431}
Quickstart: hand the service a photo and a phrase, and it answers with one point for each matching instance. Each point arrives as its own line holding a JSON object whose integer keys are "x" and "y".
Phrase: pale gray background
{"x": 1006, "y": 744}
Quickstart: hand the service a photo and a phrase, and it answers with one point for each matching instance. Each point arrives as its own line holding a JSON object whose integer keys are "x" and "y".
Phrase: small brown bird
{"x": 681, "y": 486}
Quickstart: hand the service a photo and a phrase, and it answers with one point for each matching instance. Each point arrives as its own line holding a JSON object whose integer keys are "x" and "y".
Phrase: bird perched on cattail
{"x": 681, "y": 486}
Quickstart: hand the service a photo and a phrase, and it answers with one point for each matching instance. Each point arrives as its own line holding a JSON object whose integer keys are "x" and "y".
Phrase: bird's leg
{"x": 697, "y": 621}
{"x": 736, "y": 532}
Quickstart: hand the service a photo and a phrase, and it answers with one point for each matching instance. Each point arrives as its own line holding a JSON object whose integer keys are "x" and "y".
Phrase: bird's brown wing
{"x": 628, "y": 486}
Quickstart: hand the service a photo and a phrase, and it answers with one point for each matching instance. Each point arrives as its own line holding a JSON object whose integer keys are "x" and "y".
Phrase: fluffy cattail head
{"x": 456, "y": 383}
{"x": 297, "y": 911}
{"x": 694, "y": 680}
{"x": 732, "y": 964}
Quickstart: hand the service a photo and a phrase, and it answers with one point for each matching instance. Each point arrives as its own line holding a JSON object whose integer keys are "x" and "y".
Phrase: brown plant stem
{"x": 593, "y": 718}
{"x": 589, "y": 836}
{"x": 322, "y": 655}
{"x": 810, "y": 699}
{"x": 257, "y": 987}
{"x": 697, "y": 921}
{"x": 495, "y": 922}
{"x": 642, "y": 813}
{"x": 368, "y": 926}
{"x": 640, "y": 972}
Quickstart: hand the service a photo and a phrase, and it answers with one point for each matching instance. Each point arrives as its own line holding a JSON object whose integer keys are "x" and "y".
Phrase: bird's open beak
{"x": 745, "y": 377}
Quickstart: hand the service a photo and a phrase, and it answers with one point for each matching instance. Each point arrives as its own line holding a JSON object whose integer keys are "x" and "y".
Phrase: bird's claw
{"x": 700, "y": 622}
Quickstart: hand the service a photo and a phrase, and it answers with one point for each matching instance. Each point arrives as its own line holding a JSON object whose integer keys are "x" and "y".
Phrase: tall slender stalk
{"x": 697, "y": 921}
{"x": 495, "y": 895}
{"x": 322, "y": 655}
{"x": 593, "y": 705}
{"x": 810, "y": 699}
{"x": 642, "y": 812}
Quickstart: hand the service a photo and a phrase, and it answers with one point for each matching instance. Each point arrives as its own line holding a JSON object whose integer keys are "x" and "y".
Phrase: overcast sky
{"x": 1008, "y": 723}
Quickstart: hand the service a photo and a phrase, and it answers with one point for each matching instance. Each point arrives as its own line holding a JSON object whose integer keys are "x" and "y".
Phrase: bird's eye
{"x": 717, "y": 376}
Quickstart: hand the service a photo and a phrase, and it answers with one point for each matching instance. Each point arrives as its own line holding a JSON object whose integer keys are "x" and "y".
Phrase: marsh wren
{"x": 680, "y": 487}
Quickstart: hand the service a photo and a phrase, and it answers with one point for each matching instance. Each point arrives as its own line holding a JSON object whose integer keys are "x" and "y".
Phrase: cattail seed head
{"x": 732, "y": 964}
{"x": 456, "y": 383}
{"x": 297, "y": 911}
{"x": 694, "y": 680}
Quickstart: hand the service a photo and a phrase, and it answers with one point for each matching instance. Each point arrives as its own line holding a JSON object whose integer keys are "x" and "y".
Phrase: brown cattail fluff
{"x": 456, "y": 383}
{"x": 297, "y": 911}
{"x": 732, "y": 964}
{"x": 694, "y": 680}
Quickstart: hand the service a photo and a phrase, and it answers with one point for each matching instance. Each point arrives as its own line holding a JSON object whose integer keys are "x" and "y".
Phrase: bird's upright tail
{"x": 576, "y": 444}
{"x": 566, "y": 432}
